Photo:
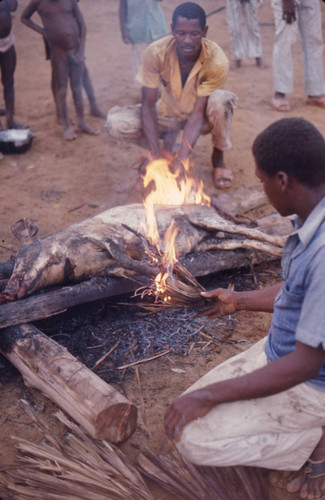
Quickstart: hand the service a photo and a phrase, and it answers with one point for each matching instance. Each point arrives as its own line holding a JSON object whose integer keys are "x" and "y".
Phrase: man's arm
{"x": 289, "y": 11}
{"x": 13, "y": 4}
{"x": 193, "y": 128}
{"x": 225, "y": 301}
{"x": 80, "y": 54}
{"x": 303, "y": 364}
{"x": 122, "y": 17}
{"x": 27, "y": 14}
{"x": 150, "y": 121}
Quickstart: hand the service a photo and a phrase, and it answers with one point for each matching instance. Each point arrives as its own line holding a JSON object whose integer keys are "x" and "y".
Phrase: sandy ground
{"x": 58, "y": 183}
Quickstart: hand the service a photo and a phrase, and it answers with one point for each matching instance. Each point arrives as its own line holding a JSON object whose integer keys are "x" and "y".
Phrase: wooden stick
{"x": 99, "y": 361}
{"x": 144, "y": 360}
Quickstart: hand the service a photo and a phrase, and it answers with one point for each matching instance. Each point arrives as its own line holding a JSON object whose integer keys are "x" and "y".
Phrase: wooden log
{"x": 242, "y": 200}
{"x": 47, "y": 366}
{"x": 50, "y": 303}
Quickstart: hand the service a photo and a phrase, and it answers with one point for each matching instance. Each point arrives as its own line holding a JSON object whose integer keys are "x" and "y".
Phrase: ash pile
{"x": 130, "y": 334}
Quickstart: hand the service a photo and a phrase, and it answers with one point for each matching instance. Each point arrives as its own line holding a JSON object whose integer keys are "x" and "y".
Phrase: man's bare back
{"x": 65, "y": 30}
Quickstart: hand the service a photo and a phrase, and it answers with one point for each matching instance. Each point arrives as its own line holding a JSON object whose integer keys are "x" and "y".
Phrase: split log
{"x": 50, "y": 303}
{"x": 47, "y": 366}
{"x": 54, "y": 302}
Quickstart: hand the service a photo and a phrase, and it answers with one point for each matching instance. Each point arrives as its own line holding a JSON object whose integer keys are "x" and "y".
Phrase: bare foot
{"x": 222, "y": 177}
{"x": 318, "y": 101}
{"x": 69, "y": 134}
{"x": 96, "y": 111}
{"x": 16, "y": 125}
{"x": 86, "y": 129}
{"x": 309, "y": 482}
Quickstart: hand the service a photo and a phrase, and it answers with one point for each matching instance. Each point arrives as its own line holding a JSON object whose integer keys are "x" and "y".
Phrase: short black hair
{"x": 189, "y": 10}
{"x": 294, "y": 146}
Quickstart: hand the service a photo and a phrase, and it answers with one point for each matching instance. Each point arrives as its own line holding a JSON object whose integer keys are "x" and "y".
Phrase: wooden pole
{"x": 47, "y": 366}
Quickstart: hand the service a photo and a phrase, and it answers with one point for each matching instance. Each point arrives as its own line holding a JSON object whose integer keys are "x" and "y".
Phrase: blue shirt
{"x": 145, "y": 21}
{"x": 299, "y": 307}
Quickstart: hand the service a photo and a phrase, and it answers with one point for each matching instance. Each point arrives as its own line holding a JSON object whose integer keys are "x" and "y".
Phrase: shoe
{"x": 280, "y": 104}
{"x": 222, "y": 178}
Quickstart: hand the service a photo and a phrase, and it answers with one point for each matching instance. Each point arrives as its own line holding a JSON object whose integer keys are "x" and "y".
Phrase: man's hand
{"x": 125, "y": 37}
{"x": 224, "y": 302}
{"x": 185, "y": 409}
{"x": 79, "y": 55}
{"x": 289, "y": 11}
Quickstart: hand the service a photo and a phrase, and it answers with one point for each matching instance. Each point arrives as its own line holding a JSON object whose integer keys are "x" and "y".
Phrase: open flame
{"x": 164, "y": 187}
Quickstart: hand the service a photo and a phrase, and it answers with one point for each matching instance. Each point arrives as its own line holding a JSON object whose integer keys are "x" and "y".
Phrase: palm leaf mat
{"x": 78, "y": 467}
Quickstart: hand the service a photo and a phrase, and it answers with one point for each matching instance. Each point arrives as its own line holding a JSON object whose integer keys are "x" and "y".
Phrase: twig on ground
{"x": 140, "y": 361}
{"x": 106, "y": 355}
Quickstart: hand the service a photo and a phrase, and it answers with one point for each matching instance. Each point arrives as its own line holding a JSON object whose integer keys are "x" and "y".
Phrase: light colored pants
{"x": 124, "y": 123}
{"x": 276, "y": 432}
{"x": 136, "y": 56}
{"x": 242, "y": 47}
{"x": 308, "y": 28}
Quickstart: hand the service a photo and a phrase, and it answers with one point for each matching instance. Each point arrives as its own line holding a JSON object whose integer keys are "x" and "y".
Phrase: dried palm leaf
{"x": 74, "y": 467}
{"x": 187, "y": 481}
{"x": 181, "y": 289}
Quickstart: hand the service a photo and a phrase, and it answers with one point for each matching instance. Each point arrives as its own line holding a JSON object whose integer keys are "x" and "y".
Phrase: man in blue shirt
{"x": 266, "y": 406}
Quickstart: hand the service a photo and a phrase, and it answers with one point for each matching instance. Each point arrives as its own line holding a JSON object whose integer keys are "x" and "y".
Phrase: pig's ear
{"x": 25, "y": 230}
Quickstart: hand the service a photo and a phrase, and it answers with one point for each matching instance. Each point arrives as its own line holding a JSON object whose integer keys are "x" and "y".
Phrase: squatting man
{"x": 182, "y": 77}
{"x": 266, "y": 406}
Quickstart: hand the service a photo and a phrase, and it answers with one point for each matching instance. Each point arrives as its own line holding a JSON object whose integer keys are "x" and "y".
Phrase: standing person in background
{"x": 295, "y": 19}
{"x": 87, "y": 85}
{"x": 252, "y": 45}
{"x": 65, "y": 30}
{"x": 141, "y": 22}
{"x": 8, "y": 60}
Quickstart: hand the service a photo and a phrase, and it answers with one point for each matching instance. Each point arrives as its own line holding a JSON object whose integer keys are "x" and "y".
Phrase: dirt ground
{"x": 57, "y": 183}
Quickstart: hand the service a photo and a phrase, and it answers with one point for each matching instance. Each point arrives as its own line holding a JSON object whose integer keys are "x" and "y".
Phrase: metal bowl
{"x": 15, "y": 141}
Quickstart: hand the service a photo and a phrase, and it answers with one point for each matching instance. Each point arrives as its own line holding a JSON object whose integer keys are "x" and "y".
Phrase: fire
{"x": 164, "y": 187}
{"x": 169, "y": 188}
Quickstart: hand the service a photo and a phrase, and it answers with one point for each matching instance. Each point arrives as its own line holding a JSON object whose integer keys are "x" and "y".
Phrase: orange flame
{"x": 165, "y": 187}
{"x": 168, "y": 188}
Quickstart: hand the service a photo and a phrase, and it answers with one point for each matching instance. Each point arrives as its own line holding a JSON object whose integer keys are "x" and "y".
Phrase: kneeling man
{"x": 266, "y": 406}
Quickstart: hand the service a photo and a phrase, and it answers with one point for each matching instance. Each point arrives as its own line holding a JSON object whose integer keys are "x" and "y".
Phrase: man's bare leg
{"x": 222, "y": 175}
{"x": 306, "y": 486}
{"x": 76, "y": 74}
{"x": 89, "y": 89}
{"x": 8, "y": 65}
{"x": 235, "y": 64}
{"x": 260, "y": 63}
{"x": 60, "y": 75}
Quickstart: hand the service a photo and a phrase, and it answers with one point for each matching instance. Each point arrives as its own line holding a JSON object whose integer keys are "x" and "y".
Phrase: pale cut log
{"x": 242, "y": 200}
{"x": 47, "y": 366}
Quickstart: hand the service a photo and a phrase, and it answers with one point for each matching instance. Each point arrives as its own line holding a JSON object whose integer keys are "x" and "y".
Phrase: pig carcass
{"x": 94, "y": 247}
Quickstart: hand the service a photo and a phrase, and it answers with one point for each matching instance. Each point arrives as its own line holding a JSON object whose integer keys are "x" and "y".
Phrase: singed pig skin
{"x": 82, "y": 250}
